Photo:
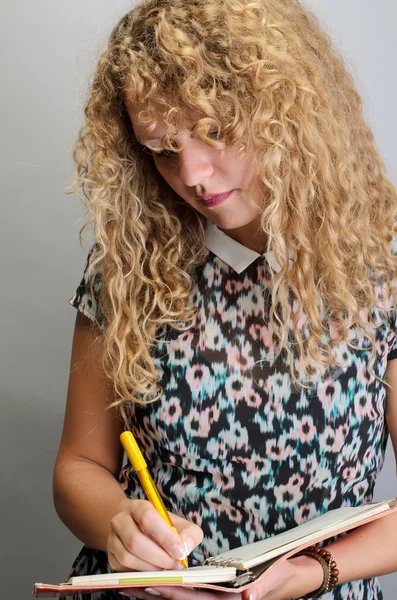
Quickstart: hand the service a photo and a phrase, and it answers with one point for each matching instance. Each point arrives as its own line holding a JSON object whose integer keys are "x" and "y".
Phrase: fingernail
{"x": 189, "y": 546}
{"x": 178, "y": 551}
{"x": 152, "y": 591}
{"x": 253, "y": 595}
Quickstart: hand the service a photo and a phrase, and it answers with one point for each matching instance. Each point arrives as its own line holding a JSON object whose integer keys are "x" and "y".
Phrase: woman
{"x": 237, "y": 309}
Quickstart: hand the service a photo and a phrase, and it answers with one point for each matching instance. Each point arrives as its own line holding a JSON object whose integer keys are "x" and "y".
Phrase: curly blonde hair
{"x": 267, "y": 75}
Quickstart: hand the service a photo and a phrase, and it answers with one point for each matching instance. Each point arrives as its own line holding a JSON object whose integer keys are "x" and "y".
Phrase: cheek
{"x": 166, "y": 172}
{"x": 239, "y": 168}
{"x": 172, "y": 178}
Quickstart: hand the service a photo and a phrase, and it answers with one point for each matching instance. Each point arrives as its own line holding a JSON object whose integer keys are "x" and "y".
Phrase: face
{"x": 218, "y": 183}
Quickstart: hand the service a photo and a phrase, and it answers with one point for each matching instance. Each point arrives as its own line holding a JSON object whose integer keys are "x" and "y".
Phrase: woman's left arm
{"x": 371, "y": 550}
{"x": 355, "y": 553}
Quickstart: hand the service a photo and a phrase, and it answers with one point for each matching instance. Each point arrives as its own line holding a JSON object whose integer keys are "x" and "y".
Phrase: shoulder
{"x": 86, "y": 298}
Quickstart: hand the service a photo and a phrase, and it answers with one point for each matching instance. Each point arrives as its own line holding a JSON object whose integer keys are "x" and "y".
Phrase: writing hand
{"x": 140, "y": 539}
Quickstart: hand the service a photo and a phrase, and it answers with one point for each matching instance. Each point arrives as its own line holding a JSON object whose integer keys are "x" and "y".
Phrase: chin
{"x": 230, "y": 222}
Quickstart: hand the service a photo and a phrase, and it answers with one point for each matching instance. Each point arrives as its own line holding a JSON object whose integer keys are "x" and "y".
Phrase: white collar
{"x": 233, "y": 253}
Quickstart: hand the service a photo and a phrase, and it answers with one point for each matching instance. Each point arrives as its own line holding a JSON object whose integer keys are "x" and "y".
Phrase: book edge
{"x": 382, "y": 507}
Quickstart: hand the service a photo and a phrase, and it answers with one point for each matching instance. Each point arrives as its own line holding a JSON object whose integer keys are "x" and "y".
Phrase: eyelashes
{"x": 163, "y": 154}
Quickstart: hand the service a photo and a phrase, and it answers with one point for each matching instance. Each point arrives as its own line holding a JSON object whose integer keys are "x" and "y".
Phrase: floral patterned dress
{"x": 233, "y": 445}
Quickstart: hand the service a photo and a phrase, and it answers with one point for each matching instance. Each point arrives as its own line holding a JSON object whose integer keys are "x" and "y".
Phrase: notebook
{"x": 237, "y": 569}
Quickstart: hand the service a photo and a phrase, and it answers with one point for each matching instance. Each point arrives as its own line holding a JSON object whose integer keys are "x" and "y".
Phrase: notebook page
{"x": 250, "y": 555}
{"x": 190, "y": 575}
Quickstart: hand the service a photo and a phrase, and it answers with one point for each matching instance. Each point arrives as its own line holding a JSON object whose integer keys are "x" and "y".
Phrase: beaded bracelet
{"x": 324, "y": 557}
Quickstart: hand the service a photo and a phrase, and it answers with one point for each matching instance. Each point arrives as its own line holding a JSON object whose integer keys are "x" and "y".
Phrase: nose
{"x": 195, "y": 166}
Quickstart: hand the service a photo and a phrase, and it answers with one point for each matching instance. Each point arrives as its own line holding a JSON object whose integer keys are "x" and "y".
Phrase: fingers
{"x": 141, "y": 593}
{"x": 176, "y": 593}
{"x": 129, "y": 549}
{"x": 191, "y": 534}
{"x": 164, "y": 545}
{"x": 140, "y": 539}
{"x": 121, "y": 558}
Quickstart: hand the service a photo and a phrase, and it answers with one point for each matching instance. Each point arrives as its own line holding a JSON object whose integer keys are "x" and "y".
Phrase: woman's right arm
{"x": 86, "y": 491}
{"x": 87, "y": 495}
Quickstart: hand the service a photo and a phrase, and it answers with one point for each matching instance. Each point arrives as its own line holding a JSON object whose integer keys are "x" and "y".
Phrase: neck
{"x": 249, "y": 236}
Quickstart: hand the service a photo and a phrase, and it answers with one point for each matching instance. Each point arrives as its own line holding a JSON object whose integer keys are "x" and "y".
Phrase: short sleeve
{"x": 392, "y": 337}
{"x": 392, "y": 354}
{"x": 86, "y": 296}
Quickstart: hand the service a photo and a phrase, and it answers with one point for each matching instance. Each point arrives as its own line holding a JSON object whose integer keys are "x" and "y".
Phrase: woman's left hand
{"x": 291, "y": 579}
{"x": 177, "y": 593}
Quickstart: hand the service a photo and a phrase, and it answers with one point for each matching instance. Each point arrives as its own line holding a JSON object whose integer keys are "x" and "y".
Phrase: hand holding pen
{"x": 141, "y": 537}
{"x": 139, "y": 464}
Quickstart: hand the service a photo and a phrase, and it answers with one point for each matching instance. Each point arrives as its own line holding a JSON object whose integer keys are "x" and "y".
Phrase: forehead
{"x": 187, "y": 117}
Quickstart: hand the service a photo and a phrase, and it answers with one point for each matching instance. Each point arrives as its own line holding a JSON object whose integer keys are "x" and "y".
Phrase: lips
{"x": 214, "y": 200}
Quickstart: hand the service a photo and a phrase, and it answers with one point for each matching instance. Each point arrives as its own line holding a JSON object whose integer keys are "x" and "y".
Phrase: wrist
{"x": 307, "y": 575}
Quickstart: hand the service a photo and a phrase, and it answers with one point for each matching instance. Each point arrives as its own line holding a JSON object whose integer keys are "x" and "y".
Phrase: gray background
{"x": 48, "y": 51}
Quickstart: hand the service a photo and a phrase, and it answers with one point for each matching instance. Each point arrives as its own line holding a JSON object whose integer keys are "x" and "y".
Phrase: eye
{"x": 163, "y": 154}
{"x": 214, "y": 133}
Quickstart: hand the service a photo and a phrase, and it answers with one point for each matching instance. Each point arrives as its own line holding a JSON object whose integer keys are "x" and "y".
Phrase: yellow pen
{"x": 139, "y": 464}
